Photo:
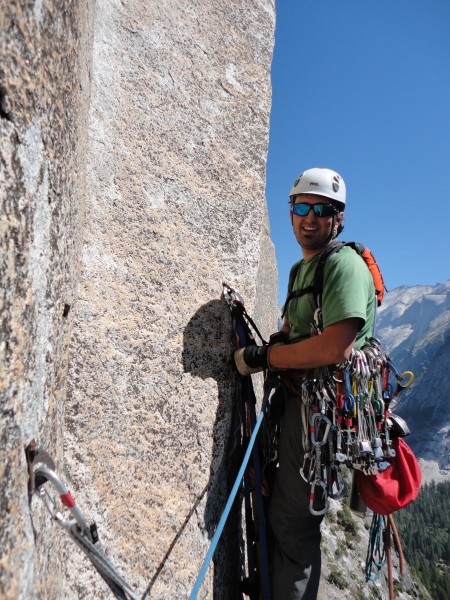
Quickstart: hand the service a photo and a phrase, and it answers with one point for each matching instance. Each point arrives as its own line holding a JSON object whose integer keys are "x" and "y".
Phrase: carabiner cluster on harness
{"x": 349, "y": 420}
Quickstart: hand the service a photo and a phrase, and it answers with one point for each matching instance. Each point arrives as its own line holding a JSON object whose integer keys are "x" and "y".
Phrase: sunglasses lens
{"x": 320, "y": 210}
{"x": 324, "y": 210}
{"x": 301, "y": 209}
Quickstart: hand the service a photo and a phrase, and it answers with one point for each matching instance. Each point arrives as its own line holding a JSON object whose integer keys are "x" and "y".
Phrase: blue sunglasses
{"x": 320, "y": 210}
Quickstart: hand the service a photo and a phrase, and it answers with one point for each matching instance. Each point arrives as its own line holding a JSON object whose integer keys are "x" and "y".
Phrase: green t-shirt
{"x": 348, "y": 292}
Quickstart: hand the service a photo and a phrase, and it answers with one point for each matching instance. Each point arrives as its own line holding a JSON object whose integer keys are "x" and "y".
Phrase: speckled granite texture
{"x": 134, "y": 138}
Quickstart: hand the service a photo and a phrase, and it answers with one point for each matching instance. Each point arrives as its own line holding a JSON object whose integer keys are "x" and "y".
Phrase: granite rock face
{"x": 115, "y": 344}
{"x": 44, "y": 86}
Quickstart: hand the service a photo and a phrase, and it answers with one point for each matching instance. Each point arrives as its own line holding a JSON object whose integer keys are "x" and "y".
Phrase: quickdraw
{"x": 352, "y": 408}
{"x": 41, "y": 470}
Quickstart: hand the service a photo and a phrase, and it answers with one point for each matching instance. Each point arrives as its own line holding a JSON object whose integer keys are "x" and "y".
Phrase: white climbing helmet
{"x": 323, "y": 182}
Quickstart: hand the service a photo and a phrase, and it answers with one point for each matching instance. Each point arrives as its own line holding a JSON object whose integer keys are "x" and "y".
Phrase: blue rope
{"x": 229, "y": 504}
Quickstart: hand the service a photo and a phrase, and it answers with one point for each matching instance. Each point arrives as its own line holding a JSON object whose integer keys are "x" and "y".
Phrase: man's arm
{"x": 286, "y": 327}
{"x": 334, "y": 345}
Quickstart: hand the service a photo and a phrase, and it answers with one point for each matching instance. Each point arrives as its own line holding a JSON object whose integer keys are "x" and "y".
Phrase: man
{"x": 317, "y": 203}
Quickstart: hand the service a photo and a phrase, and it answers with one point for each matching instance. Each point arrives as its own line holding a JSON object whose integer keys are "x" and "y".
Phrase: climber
{"x": 344, "y": 319}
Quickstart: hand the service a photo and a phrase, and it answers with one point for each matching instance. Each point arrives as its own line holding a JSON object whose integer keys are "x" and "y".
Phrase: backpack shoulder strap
{"x": 297, "y": 293}
{"x": 316, "y": 288}
{"x": 292, "y": 275}
{"x": 318, "y": 275}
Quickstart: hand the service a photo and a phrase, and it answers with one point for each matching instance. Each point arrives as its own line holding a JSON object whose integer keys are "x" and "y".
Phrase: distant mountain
{"x": 414, "y": 326}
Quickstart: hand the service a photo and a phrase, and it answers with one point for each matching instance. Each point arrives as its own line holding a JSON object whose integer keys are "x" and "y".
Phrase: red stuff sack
{"x": 396, "y": 487}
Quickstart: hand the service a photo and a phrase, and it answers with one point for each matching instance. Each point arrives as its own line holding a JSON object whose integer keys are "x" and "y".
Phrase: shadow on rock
{"x": 207, "y": 353}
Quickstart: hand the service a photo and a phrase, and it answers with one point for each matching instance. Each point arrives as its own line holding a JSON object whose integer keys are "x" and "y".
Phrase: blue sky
{"x": 363, "y": 87}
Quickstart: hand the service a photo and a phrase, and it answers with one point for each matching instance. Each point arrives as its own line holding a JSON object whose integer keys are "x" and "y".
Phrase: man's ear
{"x": 339, "y": 226}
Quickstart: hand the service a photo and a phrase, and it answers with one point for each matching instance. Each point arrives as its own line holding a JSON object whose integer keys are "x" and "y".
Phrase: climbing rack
{"x": 349, "y": 413}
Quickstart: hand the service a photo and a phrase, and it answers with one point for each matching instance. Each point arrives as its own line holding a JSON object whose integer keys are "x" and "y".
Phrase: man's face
{"x": 311, "y": 231}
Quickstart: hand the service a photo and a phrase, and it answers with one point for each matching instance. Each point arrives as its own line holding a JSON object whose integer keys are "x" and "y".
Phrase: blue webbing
{"x": 229, "y": 504}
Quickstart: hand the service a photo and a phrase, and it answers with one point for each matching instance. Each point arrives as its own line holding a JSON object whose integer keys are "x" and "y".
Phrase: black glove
{"x": 278, "y": 338}
{"x": 251, "y": 359}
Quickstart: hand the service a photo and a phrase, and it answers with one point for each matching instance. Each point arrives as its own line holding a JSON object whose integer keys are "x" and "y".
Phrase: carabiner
{"x": 365, "y": 371}
{"x": 337, "y": 488}
{"x": 349, "y": 404}
{"x": 323, "y": 485}
{"x": 317, "y": 325}
{"x": 312, "y": 465}
{"x": 313, "y": 428}
{"x": 402, "y": 386}
{"x": 387, "y": 393}
{"x": 393, "y": 366}
{"x": 378, "y": 407}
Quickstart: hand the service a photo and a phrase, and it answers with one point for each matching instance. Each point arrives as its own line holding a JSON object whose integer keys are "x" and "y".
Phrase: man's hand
{"x": 251, "y": 359}
{"x": 279, "y": 337}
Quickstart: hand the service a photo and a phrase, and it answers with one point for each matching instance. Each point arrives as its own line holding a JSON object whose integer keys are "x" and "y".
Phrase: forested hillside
{"x": 414, "y": 327}
{"x": 425, "y": 533}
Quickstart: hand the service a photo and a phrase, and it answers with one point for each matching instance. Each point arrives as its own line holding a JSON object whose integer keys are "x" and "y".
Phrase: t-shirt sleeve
{"x": 347, "y": 288}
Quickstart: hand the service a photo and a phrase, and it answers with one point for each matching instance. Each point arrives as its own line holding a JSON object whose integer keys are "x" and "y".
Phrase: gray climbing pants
{"x": 296, "y": 561}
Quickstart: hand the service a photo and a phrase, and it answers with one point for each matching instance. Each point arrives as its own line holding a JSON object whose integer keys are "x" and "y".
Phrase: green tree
{"x": 424, "y": 528}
